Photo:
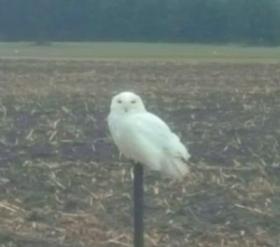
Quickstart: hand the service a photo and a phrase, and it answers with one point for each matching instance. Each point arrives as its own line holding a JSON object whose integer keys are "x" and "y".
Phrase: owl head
{"x": 127, "y": 102}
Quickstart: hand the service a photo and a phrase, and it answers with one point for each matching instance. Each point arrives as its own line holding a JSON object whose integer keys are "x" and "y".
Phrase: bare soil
{"x": 62, "y": 182}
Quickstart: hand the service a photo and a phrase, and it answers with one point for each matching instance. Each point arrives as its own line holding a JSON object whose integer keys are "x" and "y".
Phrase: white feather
{"x": 145, "y": 138}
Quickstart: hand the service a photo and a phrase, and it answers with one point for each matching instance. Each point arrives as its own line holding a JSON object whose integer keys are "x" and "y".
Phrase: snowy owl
{"x": 143, "y": 137}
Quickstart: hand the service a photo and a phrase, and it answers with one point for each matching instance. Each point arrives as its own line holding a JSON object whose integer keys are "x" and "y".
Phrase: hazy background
{"x": 209, "y": 68}
{"x": 242, "y": 21}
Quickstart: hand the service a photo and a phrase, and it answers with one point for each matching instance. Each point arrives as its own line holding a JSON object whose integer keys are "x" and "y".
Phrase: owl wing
{"x": 154, "y": 132}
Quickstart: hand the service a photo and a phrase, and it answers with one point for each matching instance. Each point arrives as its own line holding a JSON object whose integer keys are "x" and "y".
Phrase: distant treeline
{"x": 244, "y": 21}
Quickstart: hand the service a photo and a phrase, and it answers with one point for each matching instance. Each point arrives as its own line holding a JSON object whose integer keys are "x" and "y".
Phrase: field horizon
{"x": 138, "y": 50}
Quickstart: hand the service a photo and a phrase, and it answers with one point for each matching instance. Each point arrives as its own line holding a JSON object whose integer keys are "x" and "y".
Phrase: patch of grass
{"x": 123, "y": 50}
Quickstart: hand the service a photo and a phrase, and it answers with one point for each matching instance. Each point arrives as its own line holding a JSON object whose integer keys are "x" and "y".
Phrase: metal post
{"x": 138, "y": 194}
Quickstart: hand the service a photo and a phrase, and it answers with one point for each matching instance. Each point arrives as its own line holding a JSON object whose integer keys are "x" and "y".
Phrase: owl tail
{"x": 176, "y": 167}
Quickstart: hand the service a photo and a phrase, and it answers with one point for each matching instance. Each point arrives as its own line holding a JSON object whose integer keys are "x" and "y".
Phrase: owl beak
{"x": 125, "y": 109}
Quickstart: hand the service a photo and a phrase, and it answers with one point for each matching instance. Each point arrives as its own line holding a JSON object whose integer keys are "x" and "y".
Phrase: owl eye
{"x": 119, "y": 101}
{"x": 133, "y": 101}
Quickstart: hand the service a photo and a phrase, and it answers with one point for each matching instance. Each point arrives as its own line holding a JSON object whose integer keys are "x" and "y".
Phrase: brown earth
{"x": 61, "y": 180}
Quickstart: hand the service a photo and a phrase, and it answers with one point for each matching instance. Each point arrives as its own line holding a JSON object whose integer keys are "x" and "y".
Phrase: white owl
{"x": 145, "y": 138}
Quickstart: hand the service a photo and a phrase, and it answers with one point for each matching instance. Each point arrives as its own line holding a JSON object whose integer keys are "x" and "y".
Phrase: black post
{"x": 138, "y": 194}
